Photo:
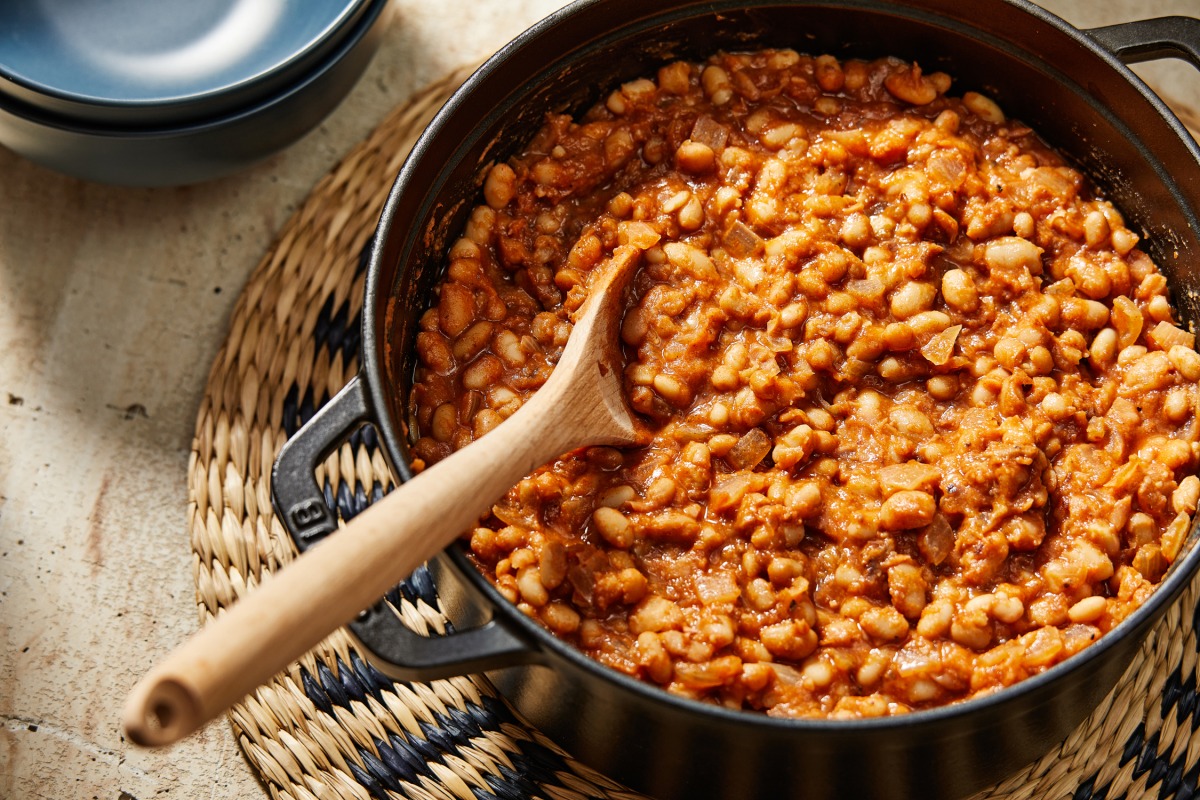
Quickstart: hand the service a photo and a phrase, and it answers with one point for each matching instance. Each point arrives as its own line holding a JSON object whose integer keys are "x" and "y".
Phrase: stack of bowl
{"x": 149, "y": 93}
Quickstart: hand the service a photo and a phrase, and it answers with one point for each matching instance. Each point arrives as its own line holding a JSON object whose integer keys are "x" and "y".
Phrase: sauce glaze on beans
{"x": 922, "y": 423}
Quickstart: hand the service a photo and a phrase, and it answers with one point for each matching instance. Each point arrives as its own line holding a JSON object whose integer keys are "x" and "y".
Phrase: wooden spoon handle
{"x": 581, "y": 403}
{"x": 292, "y": 611}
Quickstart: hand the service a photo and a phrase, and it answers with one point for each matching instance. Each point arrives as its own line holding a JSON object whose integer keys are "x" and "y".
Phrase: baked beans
{"x": 921, "y": 420}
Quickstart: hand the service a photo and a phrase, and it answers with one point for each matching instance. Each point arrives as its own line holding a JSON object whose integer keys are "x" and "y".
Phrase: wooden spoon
{"x": 582, "y": 403}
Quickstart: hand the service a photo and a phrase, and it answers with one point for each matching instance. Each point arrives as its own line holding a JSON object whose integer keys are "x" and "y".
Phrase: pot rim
{"x": 374, "y": 371}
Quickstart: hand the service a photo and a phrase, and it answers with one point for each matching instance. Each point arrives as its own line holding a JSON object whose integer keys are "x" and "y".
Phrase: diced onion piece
{"x": 742, "y": 242}
{"x": 710, "y": 132}
{"x": 750, "y": 450}
{"x": 940, "y": 347}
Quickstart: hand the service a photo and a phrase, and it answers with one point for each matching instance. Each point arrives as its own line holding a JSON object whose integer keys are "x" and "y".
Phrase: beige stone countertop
{"x": 113, "y": 303}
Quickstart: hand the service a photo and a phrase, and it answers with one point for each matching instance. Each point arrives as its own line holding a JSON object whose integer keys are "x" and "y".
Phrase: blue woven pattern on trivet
{"x": 403, "y": 758}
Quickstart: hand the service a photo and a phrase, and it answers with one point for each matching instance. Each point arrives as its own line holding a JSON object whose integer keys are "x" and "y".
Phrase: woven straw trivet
{"x": 334, "y": 727}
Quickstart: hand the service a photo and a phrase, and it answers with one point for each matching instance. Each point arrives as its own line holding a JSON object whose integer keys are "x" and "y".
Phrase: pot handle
{"x": 389, "y": 644}
{"x": 1151, "y": 39}
{"x": 298, "y": 499}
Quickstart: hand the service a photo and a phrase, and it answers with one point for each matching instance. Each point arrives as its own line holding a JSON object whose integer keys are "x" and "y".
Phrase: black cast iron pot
{"x": 1071, "y": 86}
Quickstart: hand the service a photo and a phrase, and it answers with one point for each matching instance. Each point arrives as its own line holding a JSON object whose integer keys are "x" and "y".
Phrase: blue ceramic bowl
{"x": 147, "y": 93}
